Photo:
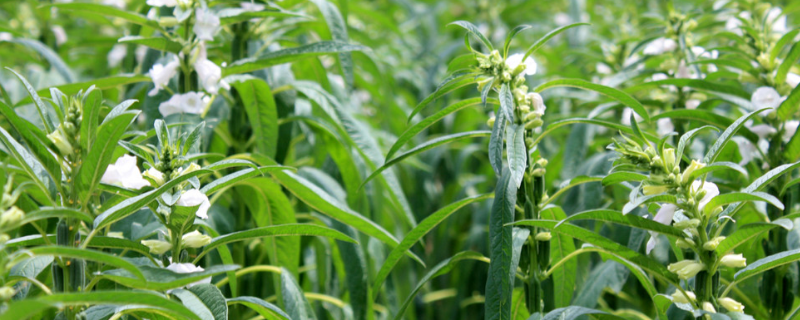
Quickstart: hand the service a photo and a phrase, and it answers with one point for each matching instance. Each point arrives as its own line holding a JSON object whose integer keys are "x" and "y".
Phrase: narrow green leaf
{"x": 100, "y": 84}
{"x": 790, "y": 105}
{"x": 788, "y": 62}
{"x": 416, "y": 234}
{"x": 707, "y": 117}
{"x": 156, "y": 278}
{"x": 517, "y": 153}
{"x": 48, "y": 54}
{"x": 539, "y": 43}
{"x": 265, "y": 309}
{"x": 289, "y": 55}
{"x": 294, "y": 300}
{"x": 260, "y": 106}
{"x": 158, "y": 43}
{"x": 510, "y": 36}
{"x": 736, "y": 197}
{"x": 621, "y": 176}
{"x": 97, "y": 256}
{"x": 112, "y": 11}
{"x": 496, "y": 142}
{"x": 612, "y": 93}
{"x": 239, "y": 176}
{"x": 473, "y": 30}
{"x": 561, "y": 245}
{"x": 726, "y": 135}
{"x": 338, "y": 30}
{"x": 732, "y": 94}
{"x": 498, "y": 288}
{"x": 767, "y": 263}
{"x": 447, "y": 86}
{"x": 144, "y": 298}
{"x": 100, "y": 154}
{"x": 297, "y": 229}
{"x": 629, "y": 220}
{"x": 747, "y": 232}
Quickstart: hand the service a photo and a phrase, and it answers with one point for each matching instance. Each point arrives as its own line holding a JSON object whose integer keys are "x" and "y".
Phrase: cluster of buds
{"x": 169, "y": 163}
{"x": 493, "y": 66}
{"x": 632, "y": 153}
{"x": 9, "y": 213}
{"x": 66, "y": 136}
{"x": 193, "y": 239}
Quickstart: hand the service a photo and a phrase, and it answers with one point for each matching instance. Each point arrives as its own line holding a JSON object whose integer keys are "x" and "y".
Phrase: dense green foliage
{"x": 334, "y": 159}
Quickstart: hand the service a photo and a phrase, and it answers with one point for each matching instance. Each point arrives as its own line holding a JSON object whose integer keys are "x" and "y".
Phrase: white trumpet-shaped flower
{"x": 190, "y": 102}
{"x": 195, "y": 239}
{"x": 161, "y": 74}
{"x": 124, "y": 173}
{"x": 709, "y": 190}
{"x": 206, "y": 24}
{"x": 210, "y": 75}
{"x": 162, "y": 3}
{"x": 659, "y": 46}
{"x": 193, "y": 198}
{"x": 514, "y": 60}
{"x": 188, "y": 268}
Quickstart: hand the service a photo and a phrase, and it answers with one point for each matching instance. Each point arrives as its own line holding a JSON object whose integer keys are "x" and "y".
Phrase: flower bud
{"x": 669, "y": 157}
{"x": 117, "y": 235}
{"x": 535, "y": 123}
{"x": 157, "y": 246}
{"x": 7, "y": 292}
{"x": 691, "y": 223}
{"x": 156, "y": 177}
{"x": 543, "y": 236}
{"x": 3, "y": 239}
{"x": 679, "y": 297}
{"x": 195, "y": 239}
{"x": 190, "y": 168}
{"x": 651, "y": 189}
{"x": 712, "y": 244}
{"x": 734, "y": 261}
{"x": 60, "y": 140}
{"x": 529, "y": 143}
{"x": 685, "y": 243}
{"x": 542, "y": 162}
{"x": 539, "y": 172}
{"x": 524, "y": 109}
{"x": 11, "y": 216}
{"x": 674, "y": 267}
{"x": 685, "y": 178}
{"x": 690, "y": 270}
{"x": 537, "y": 102}
{"x": 731, "y": 305}
{"x": 708, "y": 307}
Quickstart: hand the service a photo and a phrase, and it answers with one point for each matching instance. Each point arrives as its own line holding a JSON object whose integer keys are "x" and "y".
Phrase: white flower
{"x": 692, "y": 104}
{"x": 251, "y": 6}
{"x": 190, "y": 102}
{"x": 195, "y": 239}
{"x": 116, "y": 55}
{"x": 734, "y": 261}
{"x": 602, "y": 68}
{"x": 684, "y": 72}
{"x": 793, "y": 79}
{"x": 766, "y": 97}
{"x": 789, "y": 129}
{"x": 124, "y": 173}
{"x": 6, "y": 36}
{"x": 537, "y": 102}
{"x": 116, "y": 3}
{"x": 659, "y": 46}
{"x": 659, "y": 77}
{"x": 708, "y": 307}
{"x": 731, "y": 305}
{"x": 60, "y": 140}
{"x": 60, "y": 34}
{"x": 679, "y": 297}
{"x": 763, "y": 131}
{"x": 747, "y": 150}
{"x": 164, "y": 3}
{"x": 663, "y": 216}
{"x": 155, "y": 175}
{"x": 157, "y": 246}
{"x": 141, "y": 52}
{"x": 162, "y": 74}
{"x": 188, "y": 268}
{"x": 561, "y": 19}
{"x": 664, "y": 126}
{"x": 206, "y": 24}
{"x": 210, "y": 75}
{"x": 193, "y": 198}
{"x": 777, "y": 19}
{"x": 709, "y": 189}
{"x": 514, "y": 60}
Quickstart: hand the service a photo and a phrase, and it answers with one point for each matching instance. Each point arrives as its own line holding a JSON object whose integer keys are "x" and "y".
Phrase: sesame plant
{"x": 250, "y": 159}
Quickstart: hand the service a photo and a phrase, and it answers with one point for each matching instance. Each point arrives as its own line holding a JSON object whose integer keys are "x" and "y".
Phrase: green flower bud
{"x": 708, "y": 307}
{"x": 539, "y": 172}
{"x": 543, "y": 236}
{"x": 11, "y": 216}
{"x": 712, "y": 244}
{"x": 167, "y": 22}
{"x": 734, "y": 261}
{"x": 731, "y": 305}
{"x": 685, "y": 243}
{"x": 61, "y": 141}
{"x": 7, "y": 292}
{"x": 533, "y": 124}
{"x": 691, "y": 223}
{"x": 195, "y": 239}
{"x": 679, "y": 297}
{"x": 157, "y": 246}
{"x": 491, "y": 121}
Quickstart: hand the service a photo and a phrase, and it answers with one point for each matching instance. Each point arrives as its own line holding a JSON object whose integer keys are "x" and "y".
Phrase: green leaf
{"x": 92, "y": 8}
{"x": 48, "y": 54}
{"x": 40, "y": 106}
{"x": 473, "y": 30}
{"x": 511, "y": 35}
{"x": 260, "y": 106}
{"x": 213, "y": 299}
{"x": 761, "y": 182}
{"x": 561, "y": 245}
{"x": 539, "y": 43}
{"x": 154, "y": 300}
{"x": 781, "y": 43}
{"x": 747, "y": 232}
{"x": 498, "y": 288}
{"x": 629, "y": 220}
{"x": 158, "y": 43}
{"x": 517, "y": 153}
{"x": 716, "y": 166}
{"x": 573, "y": 312}
{"x": 100, "y": 154}
{"x": 265, "y": 309}
{"x": 440, "y": 269}
{"x": 236, "y": 15}
{"x": 735, "y": 197}
{"x": 37, "y": 141}
{"x": 788, "y": 62}
{"x": 640, "y": 200}
{"x": 496, "y": 142}
{"x": 96, "y": 242}
{"x": 426, "y": 146}
{"x": 688, "y": 136}
{"x": 32, "y": 167}
{"x": 238, "y": 177}
{"x": 447, "y": 86}
{"x": 100, "y": 84}
{"x": 156, "y": 278}
{"x": 652, "y": 267}
{"x": 612, "y": 93}
{"x": 289, "y": 55}
{"x": 726, "y": 135}
{"x": 416, "y": 234}
{"x": 707, "y": 117}
{"x": 608, "y": 124}
{"x": 732, "y": 94}
{"x": 97, "y": 256}
{"x": 297, "y": 229}
{"x": 621, "y": 176}
{"x": 412, "y": 131}
{"x": 789, "y": 105}
{"x": 338, "y": 30}
{"x": 767, "y": 263}
{"x": 294, "y": 300}
{"x": 24, "y": 309}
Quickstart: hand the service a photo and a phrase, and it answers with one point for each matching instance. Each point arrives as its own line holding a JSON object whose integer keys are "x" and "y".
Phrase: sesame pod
{"x": 77, "y": 274}
{"x": 62, "y": 233}
{"x": 544, "y": 254}
{"x": 58, "y": 277}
